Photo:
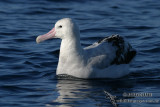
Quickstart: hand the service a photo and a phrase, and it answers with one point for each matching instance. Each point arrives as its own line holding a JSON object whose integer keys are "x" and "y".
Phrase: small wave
{"x": 15, "y": 88}
{"x": 139, "y": 27}
{"x": 151, "y": 50}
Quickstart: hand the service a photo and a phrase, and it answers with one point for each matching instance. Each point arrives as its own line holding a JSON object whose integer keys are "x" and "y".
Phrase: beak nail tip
{"x": 37, "y": 41}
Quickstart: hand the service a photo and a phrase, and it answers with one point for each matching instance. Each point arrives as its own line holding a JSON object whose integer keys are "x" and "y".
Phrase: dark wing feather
{"x": 124, "y": 54}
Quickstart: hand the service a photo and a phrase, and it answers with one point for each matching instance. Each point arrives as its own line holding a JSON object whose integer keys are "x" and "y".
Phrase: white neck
{"x": 70, "y": 51}
{"x": 70, "y": 46}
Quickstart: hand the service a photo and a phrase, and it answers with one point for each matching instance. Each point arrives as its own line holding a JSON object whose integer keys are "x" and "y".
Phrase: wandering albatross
{"x": 107, "y": 58}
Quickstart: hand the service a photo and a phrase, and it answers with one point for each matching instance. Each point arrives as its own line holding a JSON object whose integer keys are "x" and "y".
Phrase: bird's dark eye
{"x": 60, "y": 26}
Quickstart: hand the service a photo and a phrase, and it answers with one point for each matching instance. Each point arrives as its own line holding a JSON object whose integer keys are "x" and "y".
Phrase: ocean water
{"x": 28, "y": 70}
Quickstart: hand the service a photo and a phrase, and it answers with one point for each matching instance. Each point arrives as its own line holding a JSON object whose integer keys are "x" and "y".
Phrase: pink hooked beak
{"x": 49, "y": 35}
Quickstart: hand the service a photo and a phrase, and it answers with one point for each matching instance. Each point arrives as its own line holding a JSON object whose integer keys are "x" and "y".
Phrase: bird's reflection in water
{"x": 73, "y": 92}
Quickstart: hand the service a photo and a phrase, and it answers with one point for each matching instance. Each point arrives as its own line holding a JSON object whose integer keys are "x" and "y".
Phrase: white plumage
{"x": 107, "y": 58}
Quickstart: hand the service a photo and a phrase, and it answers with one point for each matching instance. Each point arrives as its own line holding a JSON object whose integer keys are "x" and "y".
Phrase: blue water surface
{"x": 28, "y": 70}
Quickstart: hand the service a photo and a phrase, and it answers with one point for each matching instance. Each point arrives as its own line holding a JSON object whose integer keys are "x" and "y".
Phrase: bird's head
{"x": 64, "y": 28}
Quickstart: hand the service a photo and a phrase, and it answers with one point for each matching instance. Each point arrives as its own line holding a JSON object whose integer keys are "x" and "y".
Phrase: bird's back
{"x": 109, "y": 51}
